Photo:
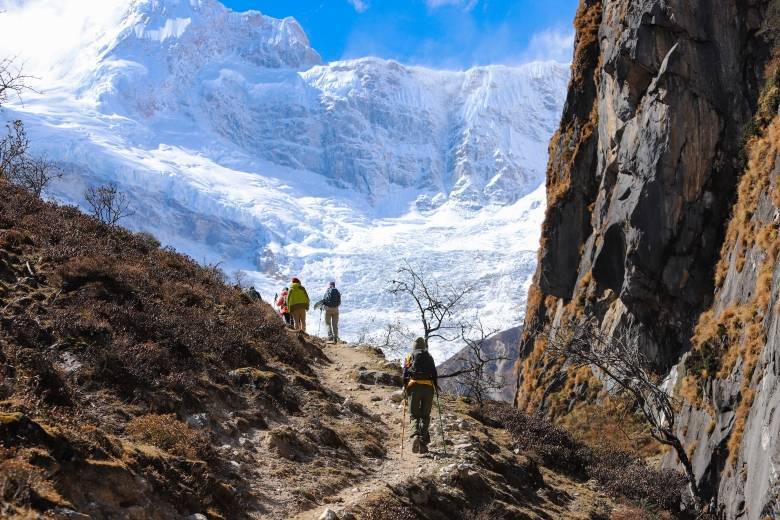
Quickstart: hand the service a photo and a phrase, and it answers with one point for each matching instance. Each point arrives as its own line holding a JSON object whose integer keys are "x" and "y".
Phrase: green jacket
{"x": 297, "y": 295}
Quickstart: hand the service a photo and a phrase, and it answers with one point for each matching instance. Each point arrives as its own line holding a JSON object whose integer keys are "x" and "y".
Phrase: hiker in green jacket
{"x": 298, "y": 303}
{"x": 421, "y": 382}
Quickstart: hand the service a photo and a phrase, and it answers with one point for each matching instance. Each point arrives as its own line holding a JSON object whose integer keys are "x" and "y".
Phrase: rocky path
{"x": 377, "y": 399}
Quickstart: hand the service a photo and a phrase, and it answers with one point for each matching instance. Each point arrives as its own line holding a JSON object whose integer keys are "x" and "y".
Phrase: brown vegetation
{"x": 722, "y": 338}
{"x": 620, "y": 473}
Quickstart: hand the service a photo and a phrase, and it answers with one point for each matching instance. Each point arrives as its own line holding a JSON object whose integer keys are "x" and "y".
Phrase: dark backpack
{"x": 332, "y": 298}
{"x": 422, "y": 365}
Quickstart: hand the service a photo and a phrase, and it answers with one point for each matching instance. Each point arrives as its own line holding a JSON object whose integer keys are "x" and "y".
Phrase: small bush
{"x": 146, "y": 241}
{"x": 555, "y": 446}
{"x": 168, "y": 433}
{"x": 22, "y": 484}
{"x": 622, "y": 474}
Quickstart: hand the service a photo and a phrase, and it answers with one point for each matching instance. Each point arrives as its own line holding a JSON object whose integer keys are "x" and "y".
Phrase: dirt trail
{"x": 346, "y": 359}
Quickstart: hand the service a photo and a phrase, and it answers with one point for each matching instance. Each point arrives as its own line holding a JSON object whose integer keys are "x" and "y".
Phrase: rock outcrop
{"x": 500, "y": 348}
{"x": 662, "y": 224}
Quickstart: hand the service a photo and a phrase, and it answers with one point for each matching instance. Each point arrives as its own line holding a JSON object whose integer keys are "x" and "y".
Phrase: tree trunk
{"x": 686, "y": 462}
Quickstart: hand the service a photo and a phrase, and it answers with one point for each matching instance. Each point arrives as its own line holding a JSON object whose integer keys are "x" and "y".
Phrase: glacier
{"x": 237, "y": 145}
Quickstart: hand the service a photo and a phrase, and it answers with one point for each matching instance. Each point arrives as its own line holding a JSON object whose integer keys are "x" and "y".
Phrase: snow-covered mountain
{"x": 237, "y": 145}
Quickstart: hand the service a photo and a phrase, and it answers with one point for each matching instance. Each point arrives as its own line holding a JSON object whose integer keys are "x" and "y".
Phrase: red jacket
{"x": 282, "y": 302}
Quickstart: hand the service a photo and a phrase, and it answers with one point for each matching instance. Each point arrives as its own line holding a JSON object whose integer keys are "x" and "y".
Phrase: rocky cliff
{"x": 662, "y": 226}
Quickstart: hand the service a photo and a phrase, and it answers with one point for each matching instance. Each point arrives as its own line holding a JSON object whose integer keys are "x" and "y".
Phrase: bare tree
{"x": 621, "y": 361}
{"x": 434, "y": 301}
{"x": 35, "y": 174}
{"x": 13, "y": 150}
{"x": 240, "y": 279}
{"x": 108, "y": 204}
{"x": 12, "y": 80}
{"x": 438, "y": 305}
{"x": 476, "y": 378}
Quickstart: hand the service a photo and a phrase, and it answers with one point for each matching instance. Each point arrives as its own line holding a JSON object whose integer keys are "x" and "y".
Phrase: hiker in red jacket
{"x": 281, "y": 302}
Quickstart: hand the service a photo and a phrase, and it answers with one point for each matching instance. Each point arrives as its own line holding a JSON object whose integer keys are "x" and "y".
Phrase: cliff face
{"x": 662, "y": 223}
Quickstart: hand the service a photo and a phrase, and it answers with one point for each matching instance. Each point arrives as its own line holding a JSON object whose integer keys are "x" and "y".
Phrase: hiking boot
{"x": 423, "y": 448}
{"x": 416, "y": 445}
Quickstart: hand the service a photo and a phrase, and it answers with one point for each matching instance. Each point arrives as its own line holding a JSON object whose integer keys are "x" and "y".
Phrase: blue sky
{"x": 451, "y": 34}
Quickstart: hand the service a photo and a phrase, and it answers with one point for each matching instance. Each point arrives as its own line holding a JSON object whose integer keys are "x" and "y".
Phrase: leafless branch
{"x": 621, "y": 360}
{"x": 477, "y": 377}
{"x": 35, "y": 174}
{"x": 435, "y": 302}
{"x": 13, "y": 150}
{"x": 108, "y": 204}
{"x": 13, "y": 81}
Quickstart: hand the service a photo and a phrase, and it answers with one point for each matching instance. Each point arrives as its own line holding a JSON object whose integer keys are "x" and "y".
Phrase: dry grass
{"x": 170, "y": 434}
{"x": 738, "y": 332}
{"x": 735, "y": 440}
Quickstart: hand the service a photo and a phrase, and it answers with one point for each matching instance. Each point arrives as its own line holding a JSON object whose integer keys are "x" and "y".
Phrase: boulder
{"x": 397, "y": 396}
{"x": 285, "y": 442}
{"x": 268, "y": 381}
{"x": 374, "y": 377}
{"x": 328, "y": 514}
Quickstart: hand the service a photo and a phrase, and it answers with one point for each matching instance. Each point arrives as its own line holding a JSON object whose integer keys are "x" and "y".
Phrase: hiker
{"x": 281, "y": 302}
{"x": 420, "y": 382}
{"x": 330, "y": 302}
{"x": 298, "y": 304}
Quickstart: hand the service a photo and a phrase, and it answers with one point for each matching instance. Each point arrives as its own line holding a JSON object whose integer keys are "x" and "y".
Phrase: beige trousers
{"x": 332, "y": 322}
{"x": 299, "y": 318}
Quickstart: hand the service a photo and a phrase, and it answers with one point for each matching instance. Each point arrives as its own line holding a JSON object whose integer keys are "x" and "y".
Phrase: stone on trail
{"x": 329, "y": 514}
{"x": 397, "y": 396}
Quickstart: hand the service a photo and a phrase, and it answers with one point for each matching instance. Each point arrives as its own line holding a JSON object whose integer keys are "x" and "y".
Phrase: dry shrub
{"x": 625, "y": 512}
{"x": 169, "y": 434}
{"x": 23, "y": 484}
{"x": 13, "y": 240}
{"x": 621, "y": 473}
{"x": 387, "y": 509}
{"x": 554, "y": 445}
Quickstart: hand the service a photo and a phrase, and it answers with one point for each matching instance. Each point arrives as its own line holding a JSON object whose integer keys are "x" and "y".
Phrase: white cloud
{"x": 551, "y": 44}
{"x": 466, "y": 5}
{"x": 360, "y": 5}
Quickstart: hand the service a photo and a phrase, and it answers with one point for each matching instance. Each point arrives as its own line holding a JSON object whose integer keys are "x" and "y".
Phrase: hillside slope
{"x": 662, "y": 224}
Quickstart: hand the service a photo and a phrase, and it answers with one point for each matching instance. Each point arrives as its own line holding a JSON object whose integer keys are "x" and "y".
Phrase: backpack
{"x": 332, "y": 298}
{"x": 421, "y": 365}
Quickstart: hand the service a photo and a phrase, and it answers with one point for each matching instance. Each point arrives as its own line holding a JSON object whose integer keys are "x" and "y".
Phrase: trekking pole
{"x": 403, "y": 427}
{"x": 441, "y": 424}
{"x": 319, "y": 325}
